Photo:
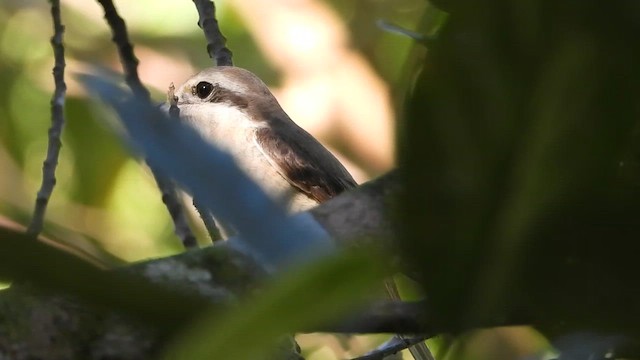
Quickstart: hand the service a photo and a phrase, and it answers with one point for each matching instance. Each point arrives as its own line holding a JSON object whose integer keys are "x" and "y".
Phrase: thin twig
{"x": 395, "y": 29}
{"x": 168, "y": 189}
{"x": 419, "y": 351}
{"x": 217, "y": 50}
{"x": 57, "y": 124}
{"x": 394, "y": 346}
{"x": 216, "y": 42}
{"x": 205, "y": 214}
{"x": 125, "y": 49}
{"x": 208, "y": 220}
{"x": 176, "y": 210}
{"x": 130, "y": 68}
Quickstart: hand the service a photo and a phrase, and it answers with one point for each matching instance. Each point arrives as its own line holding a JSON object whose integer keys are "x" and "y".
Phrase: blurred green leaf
{"x": 92, "y": 183}
{"x": 301, "y": 298}
{"x": 511, "y": 147}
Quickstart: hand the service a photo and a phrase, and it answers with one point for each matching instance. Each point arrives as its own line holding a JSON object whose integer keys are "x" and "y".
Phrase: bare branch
{"x": 363, "y": 214}
{"x": 204, "y": 212}
{"x": 419, "y": 351}
{"x": 230, "y": 271}
{"x": 168, "y": 189}
{"x": 217, "y": 50}
{"x": 395, "y": 345}
{"x": 125, "y": 49}
{"x": 176, "y": 210}
{"x": 216, "y": 42}
{"x": 57, "y": 124}
{"x": 130, "y": 68}
{"x": 208, "y": 220}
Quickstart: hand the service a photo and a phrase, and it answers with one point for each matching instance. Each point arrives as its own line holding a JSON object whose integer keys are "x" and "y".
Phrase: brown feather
{"x": 296, "y": 155}
{"x": 303, "y": 161}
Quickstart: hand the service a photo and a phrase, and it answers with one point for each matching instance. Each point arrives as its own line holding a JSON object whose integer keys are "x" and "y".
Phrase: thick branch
{"x": 129, "y": 310}
{"x": 214, "y": 274}
{"x": 363, "y": 215}
{"x": 385, "y": 317}
{"x": 37, "y": 322}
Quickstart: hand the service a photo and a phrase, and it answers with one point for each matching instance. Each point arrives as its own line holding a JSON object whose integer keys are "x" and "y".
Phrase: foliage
{"x": 521, "y": 161}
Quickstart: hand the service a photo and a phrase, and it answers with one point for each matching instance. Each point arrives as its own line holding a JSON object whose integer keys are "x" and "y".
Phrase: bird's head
{"x": 226, "y": 88}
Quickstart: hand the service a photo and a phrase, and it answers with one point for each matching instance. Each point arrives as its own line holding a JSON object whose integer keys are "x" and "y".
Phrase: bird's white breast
{"x": 230, "y": 129}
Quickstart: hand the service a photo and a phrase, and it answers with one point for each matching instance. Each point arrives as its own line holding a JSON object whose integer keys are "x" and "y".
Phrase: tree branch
{"x": 214, "y": 275}
{"x": 176, "y": 210}
{"x": 130, "y": 68}
{"x": 57, "y": 124}
{"x": 182, "y": 285}
{"x": 217, "y": 50}
{"x": 391, "y": 347}
{"x": 216, "y": 42}
{"x": 170, "y": 196}
{"x": 125, "y": 49}
{"x": 362, "y": 216}
{"x": 208, "y": 220}
{"x": 50, "y": 308}
{"x": 384, "y": 317}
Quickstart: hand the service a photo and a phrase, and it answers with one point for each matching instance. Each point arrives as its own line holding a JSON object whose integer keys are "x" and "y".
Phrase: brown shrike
{"x": 234, "y": 109}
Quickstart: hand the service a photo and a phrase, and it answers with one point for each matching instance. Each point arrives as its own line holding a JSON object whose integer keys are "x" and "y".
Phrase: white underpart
{"x": 231, "y": 130}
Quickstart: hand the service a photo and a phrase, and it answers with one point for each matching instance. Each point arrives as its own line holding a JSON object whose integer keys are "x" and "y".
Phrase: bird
{"x": 234, "y": 110}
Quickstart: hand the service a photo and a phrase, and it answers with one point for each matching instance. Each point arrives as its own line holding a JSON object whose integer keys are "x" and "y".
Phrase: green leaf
{"x": 516, "y": 127}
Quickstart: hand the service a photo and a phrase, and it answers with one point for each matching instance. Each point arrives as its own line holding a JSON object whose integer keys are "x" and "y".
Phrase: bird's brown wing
{"x": 303, "y": 161}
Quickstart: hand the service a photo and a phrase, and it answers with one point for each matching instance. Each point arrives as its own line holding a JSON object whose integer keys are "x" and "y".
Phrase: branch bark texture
{"x": 125, "y": 49}
{"x": 364, "y": 216}
{"x": 38, "y": 322}
{"x": 57, "y": 123}
{"x": 216, "y": 42}
{"x": 130, "y": 67}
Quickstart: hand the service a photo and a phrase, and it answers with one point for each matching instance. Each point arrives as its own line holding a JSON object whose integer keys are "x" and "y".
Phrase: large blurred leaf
{"x": 91, "y": 144}
{"x": 312, "y": 295}
{"x": 511, "y": 146}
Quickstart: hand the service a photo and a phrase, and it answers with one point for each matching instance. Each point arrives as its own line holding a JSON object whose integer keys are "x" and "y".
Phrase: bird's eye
{"x": 203, "y": 89}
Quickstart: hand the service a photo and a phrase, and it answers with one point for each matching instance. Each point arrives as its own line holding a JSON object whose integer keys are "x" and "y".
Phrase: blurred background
{"x": 333, "y": 68}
